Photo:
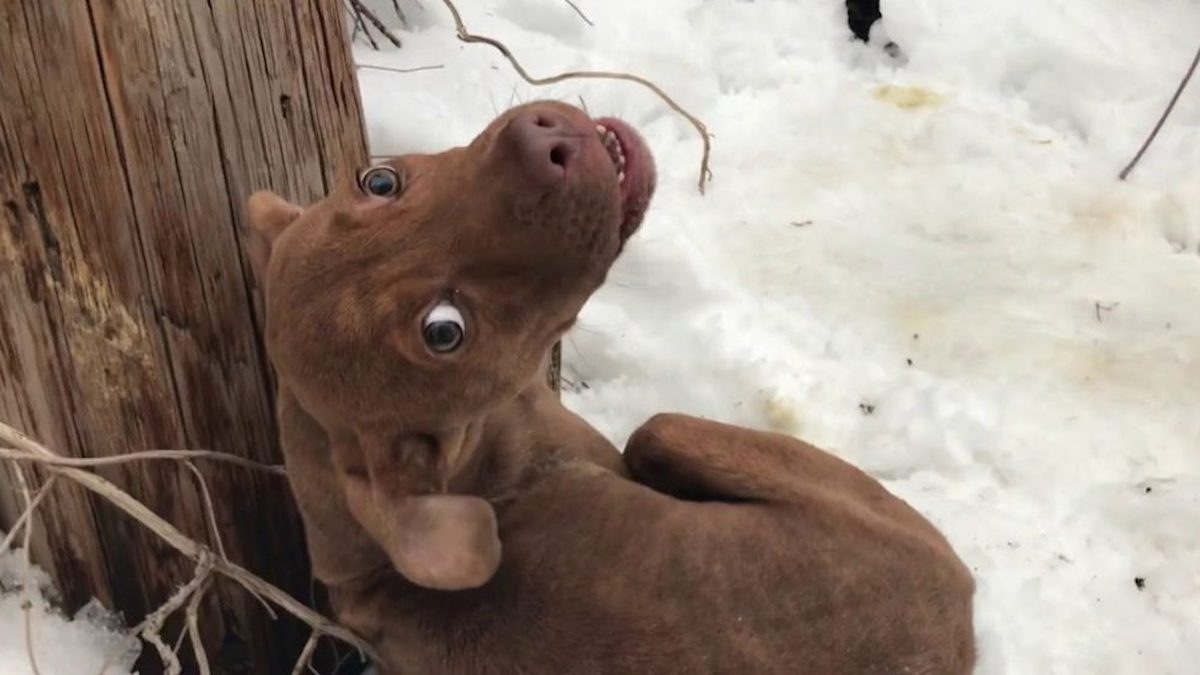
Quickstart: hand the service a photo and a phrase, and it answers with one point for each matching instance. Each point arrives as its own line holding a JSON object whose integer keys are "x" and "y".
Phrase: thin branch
{"x": 401, "y": 70}
{"x": 306, "y": 654}
{"x": 27, "y": 608}
{"x": 209, "y": 511}
{"x": 169, "y": 659}
{"x": 193, "y": 629}
{"x": 580, "y": 13}
{"x": 379, "y": 25}
{"x": 466, "y": 36}
{"x": 88, "y": 462}
{"x": 360, "y": 26}
{"x": 152, "y": 625}
{"x": 28, "y": 588}
{"x": 1163, "y": 120}
{"x": 27, "y": 514}
{"x": 33, "y": 451}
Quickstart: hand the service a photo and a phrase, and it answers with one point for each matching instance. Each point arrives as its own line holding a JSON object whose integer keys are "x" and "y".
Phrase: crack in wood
{"x": 33, "y": 203}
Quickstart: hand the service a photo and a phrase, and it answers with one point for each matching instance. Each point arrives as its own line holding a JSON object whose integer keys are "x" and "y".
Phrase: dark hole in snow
{"x": 1149, "y": 489}
{"x": 1140, "y": 582}
{"x": 908, "y": 361}
{"x": 866, "y": 408}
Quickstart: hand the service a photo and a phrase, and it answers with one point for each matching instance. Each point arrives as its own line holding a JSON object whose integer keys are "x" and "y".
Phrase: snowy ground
{"x": 62, "y": 645}
{"x": 927, "y": 268}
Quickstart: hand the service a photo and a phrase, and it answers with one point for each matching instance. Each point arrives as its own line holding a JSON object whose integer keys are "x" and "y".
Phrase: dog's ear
{"x": 438, "y": 541}
{"x": 269, "y": 215}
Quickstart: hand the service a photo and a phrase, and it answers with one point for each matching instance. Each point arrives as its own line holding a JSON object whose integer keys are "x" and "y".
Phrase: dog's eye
{"x": 444, "y": 328}
{"x": 381, "y": 181}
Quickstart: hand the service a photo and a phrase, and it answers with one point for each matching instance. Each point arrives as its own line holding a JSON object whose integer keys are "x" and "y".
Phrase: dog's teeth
{"x": 620, "y": 176}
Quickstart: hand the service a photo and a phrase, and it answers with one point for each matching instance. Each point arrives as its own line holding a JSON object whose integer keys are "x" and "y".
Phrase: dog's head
{"x": 429, "y": 291}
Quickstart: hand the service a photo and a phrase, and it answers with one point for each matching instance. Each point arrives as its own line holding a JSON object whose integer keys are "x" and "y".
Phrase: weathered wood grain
{"x": 131, "y": 132}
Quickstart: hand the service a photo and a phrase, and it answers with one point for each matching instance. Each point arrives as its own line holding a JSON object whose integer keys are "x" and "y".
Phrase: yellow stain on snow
{"x": 783, "y": 416}
{"x": 908, "y": 98}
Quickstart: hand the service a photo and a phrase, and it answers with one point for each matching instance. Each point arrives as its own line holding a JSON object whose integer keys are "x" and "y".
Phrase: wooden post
{"x": 131, "y": 133}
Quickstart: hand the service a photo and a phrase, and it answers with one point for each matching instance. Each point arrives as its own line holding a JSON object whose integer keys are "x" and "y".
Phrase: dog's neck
{"x": 507, "y": 447}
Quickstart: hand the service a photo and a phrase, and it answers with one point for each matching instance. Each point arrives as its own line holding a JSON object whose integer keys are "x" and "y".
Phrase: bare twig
{"x": 306, "y": 654}
{"x": 209, "y": 511}
{"x": 152, "y": 625}
{"x": 88, "y": 462}
{"x": 28, "y": 450}
{"x": 379, "y": 25}
{"x": 193, "y": 629}
{"x": 580, "y": 13}
{"x": 27, "y": 514}
{"x": 1163, "y": 120}
{"x": 28, "y": 588}
{"x": 27, "y": 608}
{"x": 466, "y": 36}
{"x": 360, "y": 25}
{"x": 401, "y": 70}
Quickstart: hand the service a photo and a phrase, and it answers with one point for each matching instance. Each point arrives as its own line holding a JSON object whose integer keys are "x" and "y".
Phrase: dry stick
{"x": 306, "y": 654}
{"x": 401, "y": 70}
{"x": 27, "y": 514}
{"x": 209, "y": 511}
{"x": 153, "y": 625}
{"x": 85, "y": 462}
{"x": 580, "y": 13}
{"x": 28, "y": 590}
{"x": 1163, "y": 120}
{"x": 466, "y": 36}
{"x": 183, "y": 634}
{"x": 37, "y": 453}
{"x": 360, "y": 25}
{"x": 26, "y": 606}
{"x": 193, "y": 629}
{"x": 379, "y": 25}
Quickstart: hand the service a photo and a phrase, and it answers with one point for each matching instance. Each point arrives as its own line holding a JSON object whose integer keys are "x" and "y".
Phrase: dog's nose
{"x": 546, "y": 144}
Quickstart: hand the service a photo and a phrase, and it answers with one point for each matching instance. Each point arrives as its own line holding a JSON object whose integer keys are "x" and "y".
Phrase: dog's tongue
{"x": 640, "y": 174}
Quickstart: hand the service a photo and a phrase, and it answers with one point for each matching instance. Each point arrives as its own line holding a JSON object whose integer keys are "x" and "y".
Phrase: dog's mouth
{"x": 616, "y": 152}
{"x": 634, "y": 167}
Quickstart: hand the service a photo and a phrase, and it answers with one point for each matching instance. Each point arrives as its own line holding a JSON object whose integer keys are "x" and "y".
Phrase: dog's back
{"x": 802, "y": 565}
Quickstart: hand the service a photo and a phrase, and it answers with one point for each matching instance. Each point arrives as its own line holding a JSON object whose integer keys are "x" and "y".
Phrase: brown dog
{"x": 466, "y": 522}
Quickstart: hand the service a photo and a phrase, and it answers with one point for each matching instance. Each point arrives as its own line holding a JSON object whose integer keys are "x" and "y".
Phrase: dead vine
{"x": 19, "y": 449}
{"x": 466, "y": 36}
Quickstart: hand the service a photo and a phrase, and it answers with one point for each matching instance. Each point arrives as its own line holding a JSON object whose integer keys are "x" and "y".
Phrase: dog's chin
{"x": 585, "y": 219}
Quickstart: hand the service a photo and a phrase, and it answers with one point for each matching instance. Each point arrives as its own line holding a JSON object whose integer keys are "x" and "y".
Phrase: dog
{"x": 466, "y": 522}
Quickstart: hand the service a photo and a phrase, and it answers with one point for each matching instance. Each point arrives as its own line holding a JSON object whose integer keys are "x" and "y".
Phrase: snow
{"x": 62, "y": 645}
{"x": 925, "y": 266}
{"x": 959, "y": 209}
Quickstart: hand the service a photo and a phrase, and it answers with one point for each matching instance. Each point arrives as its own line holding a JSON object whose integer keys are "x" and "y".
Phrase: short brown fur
{"x": 467, "y": 523}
